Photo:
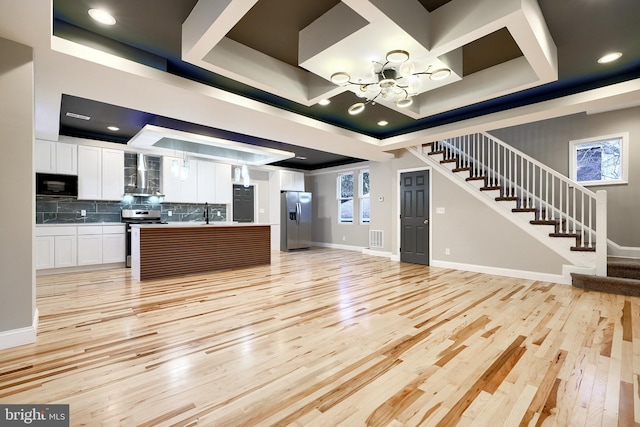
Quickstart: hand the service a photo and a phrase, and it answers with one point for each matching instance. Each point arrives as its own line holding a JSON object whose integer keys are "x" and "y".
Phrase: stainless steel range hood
{"x": 143, "y": 186}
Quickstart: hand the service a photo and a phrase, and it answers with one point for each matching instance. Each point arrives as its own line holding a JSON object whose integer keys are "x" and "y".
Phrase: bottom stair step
{"x": 623, "y": 267}
{"x": 610, "y": 285}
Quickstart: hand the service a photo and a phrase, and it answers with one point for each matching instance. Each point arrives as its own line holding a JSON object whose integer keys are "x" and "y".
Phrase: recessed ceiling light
{"x": 301, "y": 158}
{"x": 609, "y": 57}
{"x": 77, "y": 116}
{"x": 113, "y": 128}
{"x": 102, "y": 16}
{"x": 383, "y": 123}
{"x": 324, "y": 102}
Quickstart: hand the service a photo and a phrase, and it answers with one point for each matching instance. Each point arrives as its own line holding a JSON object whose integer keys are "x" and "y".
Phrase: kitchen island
{"x": 165, "y": 250}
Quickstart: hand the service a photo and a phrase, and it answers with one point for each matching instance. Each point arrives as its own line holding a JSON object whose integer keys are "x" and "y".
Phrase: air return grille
{"x": 376, "y": 238}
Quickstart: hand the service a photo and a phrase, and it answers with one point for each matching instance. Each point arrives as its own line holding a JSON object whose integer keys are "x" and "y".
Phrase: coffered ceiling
{"x": 261, "y": 55}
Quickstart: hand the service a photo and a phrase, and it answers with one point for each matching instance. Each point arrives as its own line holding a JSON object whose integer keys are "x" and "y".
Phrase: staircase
{"x": 623, "y": 278}
{"x": 566, "y": 217}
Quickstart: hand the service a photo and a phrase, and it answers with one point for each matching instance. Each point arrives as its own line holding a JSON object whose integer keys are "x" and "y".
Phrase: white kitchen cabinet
{"x": 65, "y": 251}
{"x": 112, "y": 185}
{"x": 100, "y": 173}
{"x": 189, "y": 186}
{"x": 45, "y": 156}
{"x": 214, "y": 183}
{"x": 90, "y": 173}
{"x": 56, "y": 247}
{"x": 45, "y": 250}
{"x": 170, "y": 182}
{"x": 206, "y": 182}
{"x": 66, "y": 158}
{"x": 288, "y": 180}
{"x": 56, "y": 157}
{"x": 113, "y": 244}
{"x": 175, "y": 189}
{"x": 90, "y": 245}
{"x": 223, "y": 184}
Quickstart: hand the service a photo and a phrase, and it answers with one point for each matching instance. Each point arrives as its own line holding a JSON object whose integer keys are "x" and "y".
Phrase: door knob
{"x": 426, "y": 221}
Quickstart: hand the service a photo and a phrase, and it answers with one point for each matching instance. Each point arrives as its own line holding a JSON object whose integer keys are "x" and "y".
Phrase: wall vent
{"x": 376, "y": 238}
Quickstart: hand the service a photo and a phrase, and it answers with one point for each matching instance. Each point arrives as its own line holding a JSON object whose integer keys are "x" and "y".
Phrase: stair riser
{"x": 508, "y": 204}
{"x": 477, "y": 183}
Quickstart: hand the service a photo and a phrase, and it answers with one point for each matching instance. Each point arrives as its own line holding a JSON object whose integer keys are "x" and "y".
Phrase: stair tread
{"x": 506, "y": 199}
{"x": 461, "y": 169}
{"x": 524, "y": 210}
{"x": 436, "y": 152}
{"x": 582, "y": 249}
{"x": 490, "y": 188}
{"x": 613, "y": 285}
{"x": 475, "y": 178}
{"x": 623, "y": 267}
{"x": 574, "y": 235}
{"x": 453, "y": 160}
{"x": 544, "y": 222}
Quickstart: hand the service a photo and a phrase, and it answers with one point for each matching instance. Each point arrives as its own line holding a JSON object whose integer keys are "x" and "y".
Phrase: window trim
{"x": 361, "y": 196}
{"x": 624, "y": 163}
{"x": 339, "y": 197}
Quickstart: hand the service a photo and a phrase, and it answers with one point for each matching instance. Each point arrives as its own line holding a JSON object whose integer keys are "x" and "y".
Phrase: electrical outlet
{"x": 218, "y": 213}
{"x": 447, "y": 251}
{"x": 83, "y": 212}
{"x": 169, "y": 213}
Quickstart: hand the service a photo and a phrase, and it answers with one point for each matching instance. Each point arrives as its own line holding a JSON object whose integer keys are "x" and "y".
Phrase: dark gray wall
{"x": 548, "y": 142}
{"x": 17, "y": 178}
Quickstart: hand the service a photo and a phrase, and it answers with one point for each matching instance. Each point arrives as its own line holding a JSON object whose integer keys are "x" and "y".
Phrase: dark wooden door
{"x": 243, "y": 203}
{"x": 414, "y": 217}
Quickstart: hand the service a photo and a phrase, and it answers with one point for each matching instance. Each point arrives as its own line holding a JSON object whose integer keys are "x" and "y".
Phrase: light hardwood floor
{"x": 326, "y": 338}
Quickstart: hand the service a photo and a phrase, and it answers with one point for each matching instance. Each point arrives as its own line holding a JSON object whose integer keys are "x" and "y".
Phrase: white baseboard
{"x": 21, "y": 336}
{"x": 622, "y": 251}
{"x": 372, "y": 252}
{"x": 80, "y": 268}
{"x": 564, "y": 279}
{"x": 336, "y": 246}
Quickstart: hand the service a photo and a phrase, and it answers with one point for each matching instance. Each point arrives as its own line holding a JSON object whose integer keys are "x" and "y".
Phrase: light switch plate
{"x": 440, "y": 211}
{"x": 83, "y": 212}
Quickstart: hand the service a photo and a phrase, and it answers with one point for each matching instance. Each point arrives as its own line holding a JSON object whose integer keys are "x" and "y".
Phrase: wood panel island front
{"x": 165, "y": 250}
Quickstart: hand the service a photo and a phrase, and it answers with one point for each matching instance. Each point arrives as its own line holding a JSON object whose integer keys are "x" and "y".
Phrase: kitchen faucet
{"x": 206, "y": 212}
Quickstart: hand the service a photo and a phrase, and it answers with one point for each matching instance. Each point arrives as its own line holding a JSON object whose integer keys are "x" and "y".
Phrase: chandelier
{"x": 395, "y": 80}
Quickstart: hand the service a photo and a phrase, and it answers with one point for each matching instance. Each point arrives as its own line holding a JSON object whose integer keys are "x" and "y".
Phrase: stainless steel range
{"x": 138, "y": 216}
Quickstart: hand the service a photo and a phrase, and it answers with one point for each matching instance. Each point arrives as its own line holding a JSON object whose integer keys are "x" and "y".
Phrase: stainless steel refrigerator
{"x": 295, "y": 224}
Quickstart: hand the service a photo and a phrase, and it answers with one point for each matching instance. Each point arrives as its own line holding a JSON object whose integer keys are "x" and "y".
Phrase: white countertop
{"x": 200, "y": 224}
{"x": 80, "y": 224}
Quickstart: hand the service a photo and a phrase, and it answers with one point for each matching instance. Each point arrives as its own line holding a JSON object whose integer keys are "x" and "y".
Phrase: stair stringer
{"x": 583, "y": 262}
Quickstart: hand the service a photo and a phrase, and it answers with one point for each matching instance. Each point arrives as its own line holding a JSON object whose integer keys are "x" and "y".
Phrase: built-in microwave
{"x": 49, "y": 184}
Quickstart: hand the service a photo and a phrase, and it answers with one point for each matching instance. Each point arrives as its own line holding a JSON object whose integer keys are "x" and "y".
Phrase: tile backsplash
{"x": 67, "y": 210}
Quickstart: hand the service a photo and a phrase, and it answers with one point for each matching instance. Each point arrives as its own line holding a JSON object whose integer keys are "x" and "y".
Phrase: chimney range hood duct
{"x": 143, "y": 183}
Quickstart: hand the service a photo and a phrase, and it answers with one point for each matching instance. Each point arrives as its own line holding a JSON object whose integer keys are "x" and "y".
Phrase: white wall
{"x": 17, "y": 224}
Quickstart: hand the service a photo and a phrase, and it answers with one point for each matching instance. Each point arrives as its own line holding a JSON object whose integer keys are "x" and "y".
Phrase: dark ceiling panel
{"x": 272, "y": 26}
{"x": 502, "y": 45}
{"x": 132, "y": 121}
